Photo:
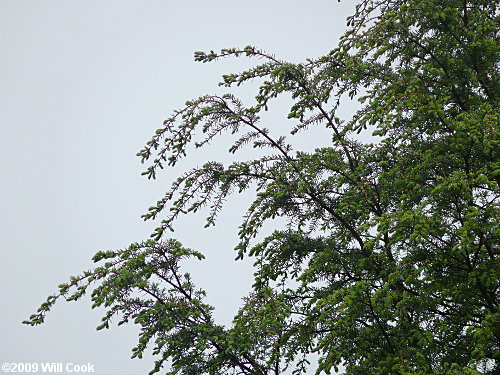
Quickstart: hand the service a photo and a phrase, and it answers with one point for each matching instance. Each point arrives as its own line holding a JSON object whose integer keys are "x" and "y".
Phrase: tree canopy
{"x": 389, "y": 262}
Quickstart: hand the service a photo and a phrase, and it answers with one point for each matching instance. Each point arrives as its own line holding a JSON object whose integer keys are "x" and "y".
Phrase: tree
{"x": 389, "y": 263}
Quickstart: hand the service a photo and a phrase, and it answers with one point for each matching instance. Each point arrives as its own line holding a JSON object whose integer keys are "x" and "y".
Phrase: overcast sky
{"x": 83, "y": 85}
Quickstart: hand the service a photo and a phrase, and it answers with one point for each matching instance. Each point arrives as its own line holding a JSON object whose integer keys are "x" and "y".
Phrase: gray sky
{"x": 83, "y": 85}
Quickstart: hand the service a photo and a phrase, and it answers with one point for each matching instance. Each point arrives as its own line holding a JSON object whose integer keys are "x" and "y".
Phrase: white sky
{"x": 83, "y": 85}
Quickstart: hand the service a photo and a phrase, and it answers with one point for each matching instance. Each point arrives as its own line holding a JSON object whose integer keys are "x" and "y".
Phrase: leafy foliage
{"x": 389, "y": 263}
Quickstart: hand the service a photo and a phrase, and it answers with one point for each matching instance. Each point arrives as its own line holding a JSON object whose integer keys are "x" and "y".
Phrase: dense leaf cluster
{"x": 389, "y": 263}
